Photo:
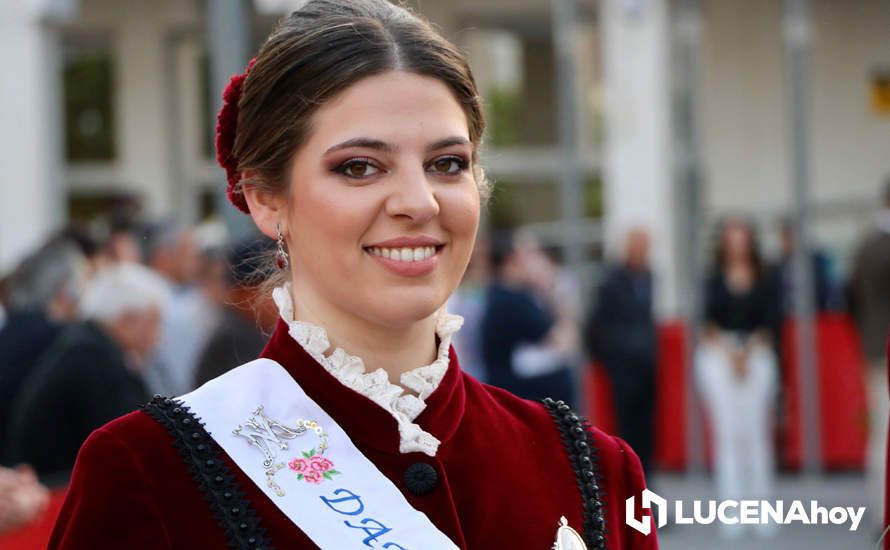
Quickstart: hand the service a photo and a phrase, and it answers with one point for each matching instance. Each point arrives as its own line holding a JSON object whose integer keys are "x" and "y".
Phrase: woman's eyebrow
{"x": 447, "y": 142}
{"x": 370, "y": 143}
{"x": 363, "y": 142}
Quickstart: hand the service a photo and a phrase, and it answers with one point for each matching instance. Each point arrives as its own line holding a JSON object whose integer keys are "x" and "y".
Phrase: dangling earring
{"x": 281, "y": 257}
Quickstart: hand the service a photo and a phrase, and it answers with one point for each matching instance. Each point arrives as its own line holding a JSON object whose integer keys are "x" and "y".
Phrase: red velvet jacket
{"x": 504, "y": 477}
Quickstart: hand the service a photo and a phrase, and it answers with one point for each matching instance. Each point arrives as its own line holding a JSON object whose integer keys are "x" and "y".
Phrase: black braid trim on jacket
{"x": 211, "y": 474}
{"x": 582, "y": 453}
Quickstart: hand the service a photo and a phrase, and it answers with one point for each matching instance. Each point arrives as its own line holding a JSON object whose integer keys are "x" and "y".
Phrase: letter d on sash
{"x": 352, "y": 496}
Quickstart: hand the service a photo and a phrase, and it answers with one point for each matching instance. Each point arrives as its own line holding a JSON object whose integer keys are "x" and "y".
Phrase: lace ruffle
{"x": 350, "y": 371}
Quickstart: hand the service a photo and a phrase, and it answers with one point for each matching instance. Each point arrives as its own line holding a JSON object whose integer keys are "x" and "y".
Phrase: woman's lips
{"x": 406, "y": 261}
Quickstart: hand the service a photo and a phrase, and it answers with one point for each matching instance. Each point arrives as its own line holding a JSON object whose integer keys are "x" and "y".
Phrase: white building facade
{"x": 159, "y": 120}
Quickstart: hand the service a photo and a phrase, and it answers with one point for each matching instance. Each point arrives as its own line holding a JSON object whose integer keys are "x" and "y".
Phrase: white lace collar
{"x": 350, "y": 371}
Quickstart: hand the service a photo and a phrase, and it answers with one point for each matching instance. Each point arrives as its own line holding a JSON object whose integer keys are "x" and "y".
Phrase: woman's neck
{"x": 740, "y": 275}
{"x": 394, "y": 349}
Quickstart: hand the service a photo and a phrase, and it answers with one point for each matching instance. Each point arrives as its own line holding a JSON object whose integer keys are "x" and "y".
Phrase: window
{"x": 87, "y": 87}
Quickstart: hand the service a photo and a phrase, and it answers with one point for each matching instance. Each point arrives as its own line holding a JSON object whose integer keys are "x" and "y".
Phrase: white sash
{"x": 320, "y": 481}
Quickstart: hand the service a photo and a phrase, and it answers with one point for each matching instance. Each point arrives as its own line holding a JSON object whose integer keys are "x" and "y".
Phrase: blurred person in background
{"x": 42, "y": 296}
{"x": 22, "y": 497}
{"x": 869, "y": 302}
{"x": 620, "y": 334}
{"x": 172, "y": 252}
{"x": 247, "y": 315}
{"x": 87, "y": 244}
{"x": 527, "y": 349}
{"x": 92, "y": 372}
{"x": 735, "y": 366}
{"x": 826, "y": 295}
{"x": 468, "y": 301}
{"x": 122, "y": 245}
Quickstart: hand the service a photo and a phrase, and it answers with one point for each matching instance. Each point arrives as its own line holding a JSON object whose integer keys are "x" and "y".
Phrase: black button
{"x": 421, "y": 478}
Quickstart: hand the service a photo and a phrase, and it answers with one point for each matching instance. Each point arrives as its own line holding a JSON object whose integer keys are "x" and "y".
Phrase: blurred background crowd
{"x": 689, "y": 236}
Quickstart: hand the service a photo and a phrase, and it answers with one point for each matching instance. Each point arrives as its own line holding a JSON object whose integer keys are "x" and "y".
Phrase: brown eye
{"x": 449, "y": 165}
{"x": 357, "y": 169}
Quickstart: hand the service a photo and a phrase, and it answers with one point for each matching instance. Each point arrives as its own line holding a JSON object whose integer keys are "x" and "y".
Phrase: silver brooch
{"x": 567, "y": 538}
{"x": 270, "y": 436}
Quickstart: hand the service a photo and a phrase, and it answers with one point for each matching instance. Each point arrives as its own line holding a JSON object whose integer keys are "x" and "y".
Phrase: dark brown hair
{"x": 720, "y": 252}
{"x": 320, "y": 50}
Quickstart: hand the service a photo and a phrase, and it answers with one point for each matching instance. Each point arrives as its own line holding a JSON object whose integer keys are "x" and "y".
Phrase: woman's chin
{"x": 406, "y": 310}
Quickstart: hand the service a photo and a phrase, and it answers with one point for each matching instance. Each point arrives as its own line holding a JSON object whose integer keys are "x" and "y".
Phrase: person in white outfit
{"x": 735, "y": 366}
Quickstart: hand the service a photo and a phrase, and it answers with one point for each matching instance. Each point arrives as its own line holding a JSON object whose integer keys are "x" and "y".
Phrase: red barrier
{"x": 843, "y": 416}
{"x": 843, "y": 407}
{"x": 36, "y": 534}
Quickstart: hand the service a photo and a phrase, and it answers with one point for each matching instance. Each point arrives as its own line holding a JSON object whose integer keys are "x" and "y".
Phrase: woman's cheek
{"x": 459, "y": 198}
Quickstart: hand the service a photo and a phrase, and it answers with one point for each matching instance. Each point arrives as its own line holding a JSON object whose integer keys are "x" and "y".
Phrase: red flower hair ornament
{"x": 226, "y": 128}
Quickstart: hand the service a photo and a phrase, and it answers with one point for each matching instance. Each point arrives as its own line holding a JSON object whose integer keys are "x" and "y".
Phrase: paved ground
{"x": 834, "y": 490}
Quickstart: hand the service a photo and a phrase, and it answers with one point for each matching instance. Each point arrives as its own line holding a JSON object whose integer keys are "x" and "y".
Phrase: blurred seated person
{"x": 620, "y": 334}
{"x": 22, "y": 498}
{"x": 91, "y": 373}
{"x": 42, "y": 294}
{"x": 526, "y": 348}
{"x": 236, "y": 284}
{"x": 735, "y": 366}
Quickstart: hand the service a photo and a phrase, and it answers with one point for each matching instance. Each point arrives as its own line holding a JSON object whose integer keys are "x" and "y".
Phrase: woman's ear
{"x": 266, "y": 208}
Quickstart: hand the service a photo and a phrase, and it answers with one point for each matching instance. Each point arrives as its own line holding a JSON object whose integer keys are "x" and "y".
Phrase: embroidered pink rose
{"x": 299, "y": 465}
{"x": 320, "y": 464}
{"x": 313, "y": 477}
{"x": 313, "y": 468}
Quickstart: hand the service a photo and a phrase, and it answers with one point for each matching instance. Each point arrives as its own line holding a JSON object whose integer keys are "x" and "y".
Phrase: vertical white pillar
{"x": 637, "y": 155}
{"x": 33, "y": 196}
{"x": 142, "y": 109}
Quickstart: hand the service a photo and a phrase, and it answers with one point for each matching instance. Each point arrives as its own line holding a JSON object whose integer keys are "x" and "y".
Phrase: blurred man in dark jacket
{"x": 90, "y": 375}
{"x": 620, "y": 334}
{"x": 42, "y": 297}
{"x": 869, "y": 301}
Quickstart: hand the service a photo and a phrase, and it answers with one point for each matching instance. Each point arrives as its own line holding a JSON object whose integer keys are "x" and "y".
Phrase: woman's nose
{"x": 413, "y": 197}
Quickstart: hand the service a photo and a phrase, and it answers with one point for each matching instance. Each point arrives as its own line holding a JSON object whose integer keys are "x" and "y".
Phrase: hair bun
{"x": 226, "y": 128}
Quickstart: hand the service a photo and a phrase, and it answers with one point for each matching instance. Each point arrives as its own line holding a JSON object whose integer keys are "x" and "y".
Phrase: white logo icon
{"x": 648, "y": 499}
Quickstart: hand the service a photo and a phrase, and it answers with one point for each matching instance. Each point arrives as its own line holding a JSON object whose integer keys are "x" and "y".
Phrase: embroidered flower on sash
{"x": 313, "y": 468}
{"x": 270, "y": 436}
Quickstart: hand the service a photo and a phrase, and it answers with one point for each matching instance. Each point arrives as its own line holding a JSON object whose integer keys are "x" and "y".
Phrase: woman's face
{"x": 383, "y": 206}
{"x": 737, "y": 241}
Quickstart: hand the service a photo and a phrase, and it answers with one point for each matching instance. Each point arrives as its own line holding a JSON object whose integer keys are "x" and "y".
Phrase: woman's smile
{"x": 408, "y": 256}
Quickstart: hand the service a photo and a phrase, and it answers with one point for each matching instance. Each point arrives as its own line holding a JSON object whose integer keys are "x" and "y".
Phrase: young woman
{"x": 736, "y": 367}
{"x": 352, "y": 141}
